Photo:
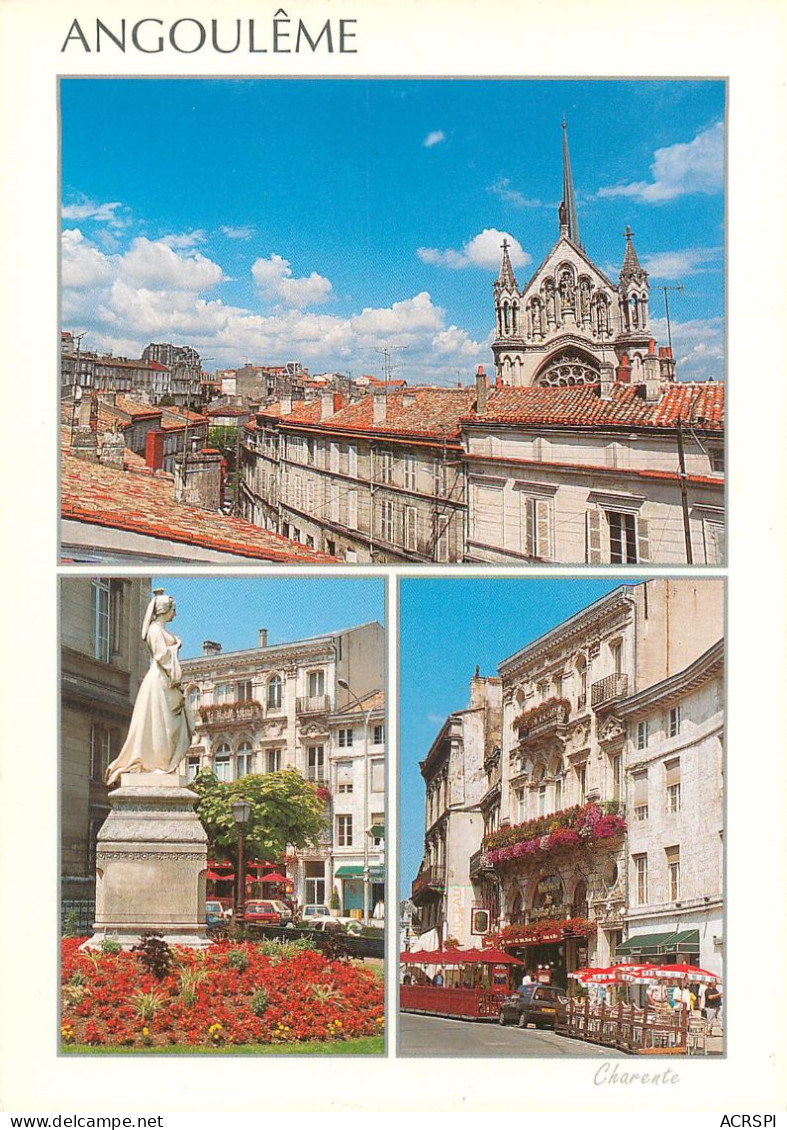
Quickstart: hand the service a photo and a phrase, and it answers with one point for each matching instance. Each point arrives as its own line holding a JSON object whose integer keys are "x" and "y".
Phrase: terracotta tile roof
{"x": 143, "y": 504}
{"x": 583, "y": 407}
{"x": 133, "y": 407}
{"x": 420, "y": 411}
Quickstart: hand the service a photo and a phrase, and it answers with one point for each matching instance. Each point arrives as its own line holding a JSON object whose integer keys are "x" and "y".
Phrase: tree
{"x": 285, "y": 809}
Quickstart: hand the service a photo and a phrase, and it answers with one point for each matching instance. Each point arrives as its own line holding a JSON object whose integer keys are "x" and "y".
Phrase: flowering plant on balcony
{"x": 583, "y": 823}
{"x": 323, "y": 793}
{"x": 540, "y": 713}
{"x": 545, "y": 930}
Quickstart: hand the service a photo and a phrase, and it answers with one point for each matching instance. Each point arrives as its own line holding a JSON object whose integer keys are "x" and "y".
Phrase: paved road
{"x": 436, "y": 1036}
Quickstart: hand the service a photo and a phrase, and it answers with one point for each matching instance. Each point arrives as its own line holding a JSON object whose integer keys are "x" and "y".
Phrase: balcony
{"x": 431, "y": 880}
{"x": 609, "y": 689}
{"x": 549, "y": 717}
{"x": 314, "y": 704}
{"x": 243, "y": 713}
{"x": 479, "y": 865}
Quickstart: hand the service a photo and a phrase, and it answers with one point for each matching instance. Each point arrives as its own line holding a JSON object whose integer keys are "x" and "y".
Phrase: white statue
{"x": 160, "y": 730}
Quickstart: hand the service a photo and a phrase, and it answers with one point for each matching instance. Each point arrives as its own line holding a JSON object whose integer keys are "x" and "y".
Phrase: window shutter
{"x": 593, "y": 537}
{"x": 673, "y": 772}
{"x": 544, "y": 542}
{"x": 530, "y": 526}
{"x": 640, "y": 789}
{"x": 643, "y": 540}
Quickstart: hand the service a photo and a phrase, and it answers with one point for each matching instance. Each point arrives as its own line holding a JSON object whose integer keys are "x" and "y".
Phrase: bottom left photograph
{"x": 222, "y": 815}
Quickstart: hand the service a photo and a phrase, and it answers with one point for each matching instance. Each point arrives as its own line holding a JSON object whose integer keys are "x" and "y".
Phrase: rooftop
{"x": 419, "y": 411}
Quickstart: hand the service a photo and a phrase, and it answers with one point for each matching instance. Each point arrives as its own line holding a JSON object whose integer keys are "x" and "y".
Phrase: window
{"x": 352, "y": 510}
{"x": 672, "y": 774}
{"x": 410, "y": 519}
{"x": 315, "y": 760}
{"x": 542, "y": 800}
{"x": 100, "y": 751}
{"x": 673, "y": 873}
{"x": 298, "y": 493}
{"x": 192, "y": 768}
{"x": 223, "y": 693}
{"x": 441, "y": 539}
{"x": 243, "y": 691}
{"x": 316, "y": 683}
{"x": 439, "y": 478}
{"x": 674, "y": 722}
{"x": 193, "y": 700}
{"x": 221, "y": 762}
{"x": 273, "y": 761}
{"x": 535, "y": 525}
{"x": 622, "y": 538}
{"x": 333, "y": 501}
{"x": 274, "y": 693}
{"x": 344, "y": 831}
{"x": 345, "y": 738}
{"x": 640, "y": 879}
{"x": 344, "y": 776}
{"x": 717, "y": 460}
{"x": 409, "y": 472}
{"x": 616, "y": 765}
{"x": 582, "y": 781}
{"x": 582, "y": 676}
{"x": 385, "y": 466}
{"x": 387, "y": 521}
{"x": 334, "y": 457}
{"x": 101, "y": 621}
{"x": 378, "y": 735}
{"x": 314, "y": 882}
{"x": 616, "y": 653}
{"x": 352, "y": 459}
{"x": 640, "y": 782}
{"x": 310, "y": 496}
{"x": 558, "y": 793}
{"x": 378, "y": 825}
{"x": 377, "y": 774}
{"x": 642, "y": 735}
{"x": 310, "y": 541}
{"x": 244, "y": 760}
{"x": 521, "y": 804}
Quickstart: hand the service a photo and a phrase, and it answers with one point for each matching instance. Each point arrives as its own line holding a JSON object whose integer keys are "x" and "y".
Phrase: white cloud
{"x": 698, "y": 346}
{"x": 696, "y": 166}
{"x": 86, "y": 209}
{"x": 185, "y": 240}
{"x": 155, "y": 264}
{"x": 483, "y": 250}
{"x": 502, "y": 188}
{"x": 83, "y": 265}
{"x": 237, "y": 233}
{"x": 433, "y": 138}
{"x": 274, "y": 278}
{"x": 682, "y": 264}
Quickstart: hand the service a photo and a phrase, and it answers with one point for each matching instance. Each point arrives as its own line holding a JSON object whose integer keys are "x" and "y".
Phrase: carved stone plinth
{"x": 151, "y": 860}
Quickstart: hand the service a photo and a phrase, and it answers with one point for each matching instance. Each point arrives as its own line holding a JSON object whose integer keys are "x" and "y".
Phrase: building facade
{"x": 454, "y": 775}
{"x": 102, "y": 663}
{"x": 291, "y": 705}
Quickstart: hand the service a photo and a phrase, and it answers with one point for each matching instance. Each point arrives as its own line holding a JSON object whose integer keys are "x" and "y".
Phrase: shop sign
{"x": 499, "y": 974}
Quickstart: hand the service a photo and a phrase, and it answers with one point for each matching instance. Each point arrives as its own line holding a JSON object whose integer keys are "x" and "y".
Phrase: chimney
{"x": 262, "y": 640}
{"x": 380, "y": 407}
{"x": 285, "y": 403}
{"x": 338, "y": 401}
{"x": 607, "y": 380}
{"x": 154, "y": 449}
{"x": 113, "y": 449}
{"x": 198, "y": 479}
{"x": 480, "y": 391}
{"x": 210, "y": 647}
{"x": 326, "y": 405}
{"x": 623, "y": 371}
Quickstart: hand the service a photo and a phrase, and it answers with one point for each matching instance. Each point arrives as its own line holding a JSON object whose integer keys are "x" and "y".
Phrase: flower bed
{"x": 230, "y": 994}
{"x": 561, "y": 830}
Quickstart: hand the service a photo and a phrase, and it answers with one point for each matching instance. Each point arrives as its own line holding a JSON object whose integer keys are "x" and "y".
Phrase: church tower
{"x": 570, "y": 322}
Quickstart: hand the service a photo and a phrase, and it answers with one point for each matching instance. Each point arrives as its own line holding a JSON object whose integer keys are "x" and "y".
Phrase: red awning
{"x": 274, "y": 877}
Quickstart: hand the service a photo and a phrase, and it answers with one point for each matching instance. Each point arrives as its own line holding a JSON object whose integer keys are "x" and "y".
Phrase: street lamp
{"x": 241, "y": 813}
{"x": 346, "y": 686}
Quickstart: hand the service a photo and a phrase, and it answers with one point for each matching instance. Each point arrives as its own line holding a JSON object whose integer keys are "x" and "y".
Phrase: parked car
{"x": 264, "y": 911}
{"x": 313, "y": 910}
{"x": 285, "y": 914}
{"x": 532, "y": 1004}
{"x": 214, "y": 913}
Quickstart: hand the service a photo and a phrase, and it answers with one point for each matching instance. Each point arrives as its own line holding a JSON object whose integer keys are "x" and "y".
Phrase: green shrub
{"x": 238, "y": 959}
{"x": 110, "y": 945}
{"x": 71, "y": 924}
{"x": 259, "y": 1002}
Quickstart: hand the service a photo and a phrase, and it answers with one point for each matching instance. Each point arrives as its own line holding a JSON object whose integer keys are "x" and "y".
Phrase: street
{"x": 437, "y": 1036}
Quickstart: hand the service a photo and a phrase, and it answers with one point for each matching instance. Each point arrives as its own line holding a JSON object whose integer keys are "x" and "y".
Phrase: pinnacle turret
{"x": 632, "y": 268}
{"x": 569, "y": 224}
{"x": 506, "y": 280}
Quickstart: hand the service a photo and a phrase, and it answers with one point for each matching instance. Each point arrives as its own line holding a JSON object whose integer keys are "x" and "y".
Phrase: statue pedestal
{"x": 151, "y": 860}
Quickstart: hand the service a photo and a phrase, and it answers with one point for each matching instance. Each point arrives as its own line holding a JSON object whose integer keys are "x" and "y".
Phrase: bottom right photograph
{"x": 561, "y": 822}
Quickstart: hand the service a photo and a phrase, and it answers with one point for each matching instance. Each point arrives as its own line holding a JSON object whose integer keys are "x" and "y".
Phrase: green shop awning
{"x": 355, "y": 871}
{"x": 654, "y": 945}
{"x": 377, "y": 831}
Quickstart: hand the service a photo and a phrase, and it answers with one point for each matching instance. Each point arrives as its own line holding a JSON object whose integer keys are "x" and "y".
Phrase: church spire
{"x": 569, "y": 223}
{"x": 631, "y": 268}
{"x": 506, "y": 278}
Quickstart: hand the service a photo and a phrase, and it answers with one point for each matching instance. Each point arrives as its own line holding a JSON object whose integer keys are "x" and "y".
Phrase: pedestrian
{"x": 528, "y": 978}
{"x": 713, "y": 1002}
{"x": 438, "y": 980}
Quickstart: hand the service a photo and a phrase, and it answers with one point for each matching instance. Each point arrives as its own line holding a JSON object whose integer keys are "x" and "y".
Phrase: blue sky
{"x": 447, "y": 627}
{"x": 230, "y": 610}
{"x": 321, "y": 220}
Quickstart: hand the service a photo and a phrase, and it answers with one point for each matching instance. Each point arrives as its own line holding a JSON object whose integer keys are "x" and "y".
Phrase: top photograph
{"x": 332, "y": 321}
